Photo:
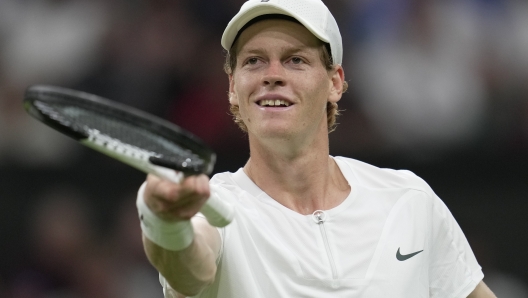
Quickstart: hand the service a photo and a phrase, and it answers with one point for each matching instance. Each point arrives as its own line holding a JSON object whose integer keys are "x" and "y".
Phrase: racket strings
{"x": 120, "y": 134}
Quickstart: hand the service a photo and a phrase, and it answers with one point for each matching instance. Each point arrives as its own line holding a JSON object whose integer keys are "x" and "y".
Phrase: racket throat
{"x": 130, "y": 155}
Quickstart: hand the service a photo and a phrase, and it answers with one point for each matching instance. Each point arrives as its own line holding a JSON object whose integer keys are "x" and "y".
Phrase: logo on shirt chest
{"x": 401, "y": 257}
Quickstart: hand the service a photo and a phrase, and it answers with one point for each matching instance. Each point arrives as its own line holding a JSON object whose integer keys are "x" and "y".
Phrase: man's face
{"x": 280, "y": 83}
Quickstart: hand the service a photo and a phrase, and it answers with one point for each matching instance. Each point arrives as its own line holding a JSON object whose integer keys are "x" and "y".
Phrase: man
{"x": 307, "y": 224}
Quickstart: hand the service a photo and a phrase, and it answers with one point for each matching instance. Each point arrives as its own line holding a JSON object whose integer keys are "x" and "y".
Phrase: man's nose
{"x": 274, "y": 75}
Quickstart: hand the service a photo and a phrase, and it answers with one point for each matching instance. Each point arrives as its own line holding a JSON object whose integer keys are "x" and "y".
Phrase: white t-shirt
{"x": 391, "y": 237}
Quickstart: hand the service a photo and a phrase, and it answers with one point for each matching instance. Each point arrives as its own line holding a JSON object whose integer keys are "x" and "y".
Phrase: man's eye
{"x": 252, "y": 61}
{"x": 296, "y": 60}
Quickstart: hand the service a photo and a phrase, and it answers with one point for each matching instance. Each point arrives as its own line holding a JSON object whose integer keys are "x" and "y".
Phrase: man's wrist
{"x": 169, "y": 235}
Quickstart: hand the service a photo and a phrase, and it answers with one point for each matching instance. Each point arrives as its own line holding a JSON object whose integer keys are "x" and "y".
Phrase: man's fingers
{"x": 177, "y": 201}
{"x": 203, "y": 186}
{"x": 198, "y": 185}
{"x": 190, "y": 209}
{"x": 195, "y": 192}
{"x": 162, "y": 188}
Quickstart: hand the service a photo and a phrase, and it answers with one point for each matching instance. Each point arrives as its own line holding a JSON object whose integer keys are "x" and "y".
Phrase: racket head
{"x": 78, "y": 114}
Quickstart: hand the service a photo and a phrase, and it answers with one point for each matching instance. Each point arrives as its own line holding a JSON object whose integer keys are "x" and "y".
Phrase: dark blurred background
{"x": 439, "y": 87}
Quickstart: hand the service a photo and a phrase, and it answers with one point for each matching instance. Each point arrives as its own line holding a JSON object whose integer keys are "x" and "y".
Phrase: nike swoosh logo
{"x": 401, "y": 257}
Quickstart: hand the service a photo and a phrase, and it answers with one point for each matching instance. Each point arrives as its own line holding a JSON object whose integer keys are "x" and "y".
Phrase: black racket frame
{"x": 59, "y": 95}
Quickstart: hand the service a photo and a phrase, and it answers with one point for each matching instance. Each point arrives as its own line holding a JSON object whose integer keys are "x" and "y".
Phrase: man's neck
{"x": 304, "y": 180}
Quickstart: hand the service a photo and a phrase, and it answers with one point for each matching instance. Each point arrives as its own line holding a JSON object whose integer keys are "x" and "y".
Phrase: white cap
{"x": 313, "y": 14}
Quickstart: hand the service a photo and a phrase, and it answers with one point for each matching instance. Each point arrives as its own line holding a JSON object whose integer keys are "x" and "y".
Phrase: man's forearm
{"x": 482, "y": 291}
{"x": 187, "y": 271}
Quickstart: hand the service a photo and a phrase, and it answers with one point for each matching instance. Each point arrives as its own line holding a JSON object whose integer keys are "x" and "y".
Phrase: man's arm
{"x": 482, "y": 291}
{"x": 191, "y": 269}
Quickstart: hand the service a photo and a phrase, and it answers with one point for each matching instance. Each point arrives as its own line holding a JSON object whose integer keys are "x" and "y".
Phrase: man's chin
{"x": 275, "y": 132}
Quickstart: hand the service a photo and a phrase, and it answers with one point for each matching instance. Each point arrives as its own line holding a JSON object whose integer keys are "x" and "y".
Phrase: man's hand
{"x": 191, "y": 269}
{"x": 174, "y": 202}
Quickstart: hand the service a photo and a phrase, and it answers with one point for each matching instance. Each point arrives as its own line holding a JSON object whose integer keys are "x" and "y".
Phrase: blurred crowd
{"x": 429, "y": 79}
{"x": 427, "y": 76}
{"x": 68, "y": 259}
{"x": 434, "y": 77}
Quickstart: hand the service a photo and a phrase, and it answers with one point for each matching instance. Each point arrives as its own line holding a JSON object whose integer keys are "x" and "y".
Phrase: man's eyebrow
{"x": 288, "y": 50}
{"x": 252, "y": 51}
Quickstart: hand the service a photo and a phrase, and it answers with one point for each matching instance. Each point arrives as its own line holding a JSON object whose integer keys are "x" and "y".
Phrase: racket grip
{"x": 218, "y": 213}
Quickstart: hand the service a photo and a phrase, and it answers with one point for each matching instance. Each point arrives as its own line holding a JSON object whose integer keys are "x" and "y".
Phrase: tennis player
{"x": 307, "y": 224}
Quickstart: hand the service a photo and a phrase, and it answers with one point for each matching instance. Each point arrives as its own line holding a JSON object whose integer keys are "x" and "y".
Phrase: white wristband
{"x": 169, "y": 235}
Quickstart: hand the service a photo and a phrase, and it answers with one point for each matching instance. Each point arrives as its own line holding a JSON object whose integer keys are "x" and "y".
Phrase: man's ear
{"x": 233, "y": 99}
{"x": 337, "y": 81}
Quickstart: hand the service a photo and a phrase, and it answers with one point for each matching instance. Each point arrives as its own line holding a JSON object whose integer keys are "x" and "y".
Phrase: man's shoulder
{"x": 372, "y": 176}
{"x": 225, "y": 178}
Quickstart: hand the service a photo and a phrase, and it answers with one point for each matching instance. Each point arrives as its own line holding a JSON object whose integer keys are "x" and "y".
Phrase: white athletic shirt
{"x": 351, "y": 250}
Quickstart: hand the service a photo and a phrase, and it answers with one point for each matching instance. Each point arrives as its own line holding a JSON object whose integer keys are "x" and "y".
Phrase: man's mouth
{"x": 273, "y": 103}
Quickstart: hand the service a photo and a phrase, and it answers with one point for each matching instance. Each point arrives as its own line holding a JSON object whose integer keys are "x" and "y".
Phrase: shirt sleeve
{"x": 454, "y": 270}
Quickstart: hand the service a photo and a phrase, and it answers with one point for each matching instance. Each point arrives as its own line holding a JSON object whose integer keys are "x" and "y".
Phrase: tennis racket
{"x": 136, "y": 138}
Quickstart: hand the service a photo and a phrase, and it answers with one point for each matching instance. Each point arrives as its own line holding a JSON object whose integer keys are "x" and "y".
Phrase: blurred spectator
{"x": 70, "y": 259}
{"x": 518, "y": 17}
{"x": 203, "y": 106}
{"x": 512, "y": 103}
{"x": 26, "y": 141}
{"x": 135, "y": 277}
{"x": 437, "y": 76}
{"x": 52, "y": 41}
{"x": 419, "y": 82}
{"x": 65, "y": 258}
{"x": 147, "y": 54}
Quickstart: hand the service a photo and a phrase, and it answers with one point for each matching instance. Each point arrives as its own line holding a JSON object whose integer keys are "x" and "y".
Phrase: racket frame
{"x": 217, "y": 212}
